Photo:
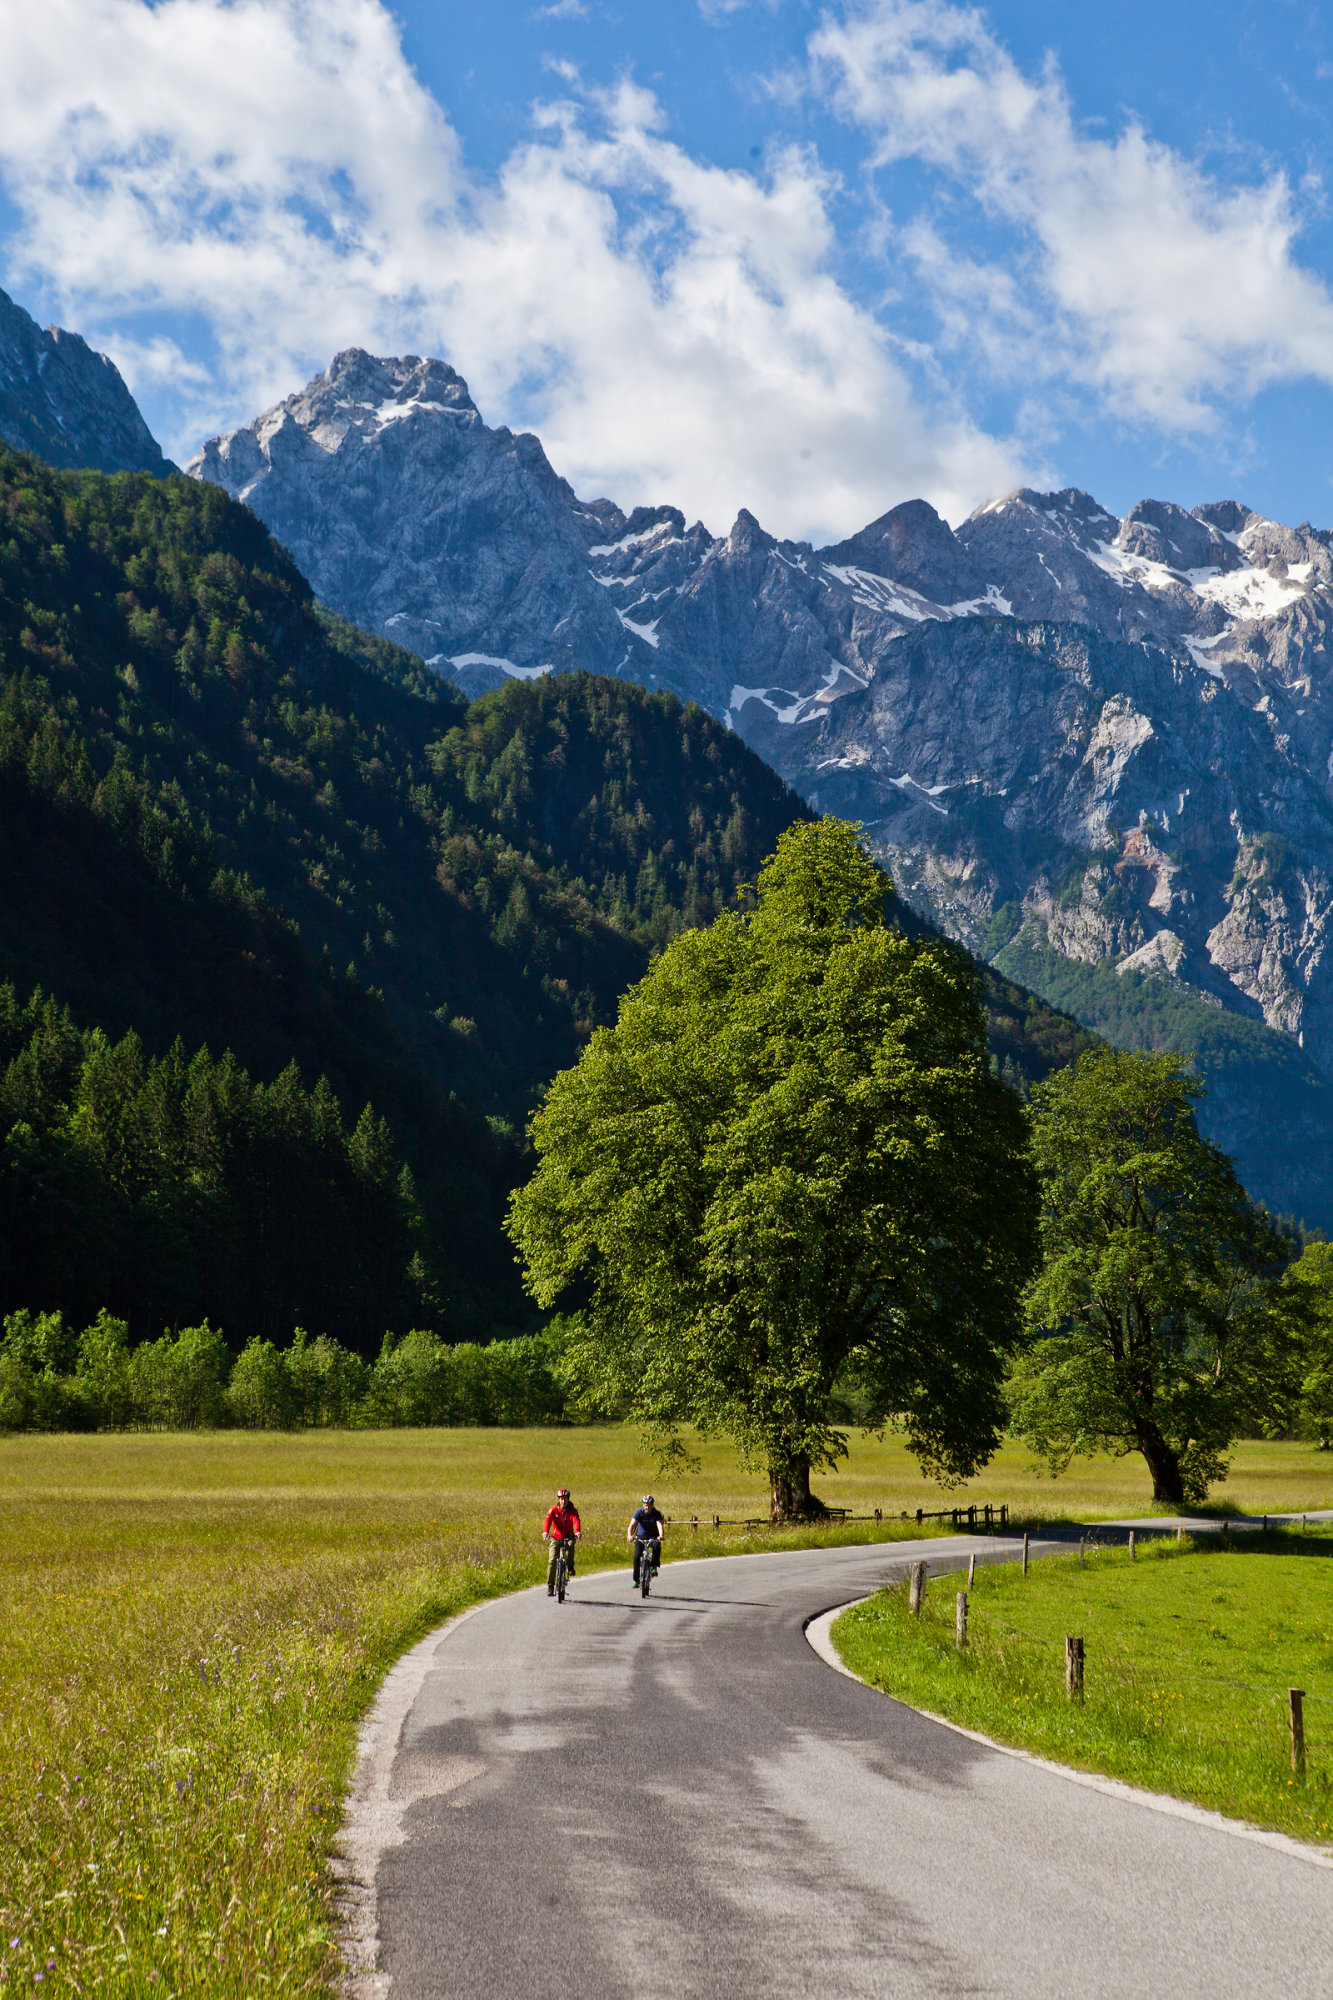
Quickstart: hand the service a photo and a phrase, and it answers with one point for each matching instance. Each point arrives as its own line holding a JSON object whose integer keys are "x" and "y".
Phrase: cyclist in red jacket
{"x": 562, "y": 1524}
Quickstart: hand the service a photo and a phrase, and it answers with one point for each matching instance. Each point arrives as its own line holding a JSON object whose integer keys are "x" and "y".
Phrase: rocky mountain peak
{"x": 746, "y": 534}
{"x": 67, "y": 403}
{"x": 1164, "y": 533}
{"x": 392, "y": 380}
{"x": 911, "y": 545}
{"x": 411, "y": 515}
{"x": 1227, "y": 516}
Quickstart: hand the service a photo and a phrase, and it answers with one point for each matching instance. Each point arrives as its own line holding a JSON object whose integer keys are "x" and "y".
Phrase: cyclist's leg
{"x": 638, "y": 1557}
{"x": 550, "y": 1567}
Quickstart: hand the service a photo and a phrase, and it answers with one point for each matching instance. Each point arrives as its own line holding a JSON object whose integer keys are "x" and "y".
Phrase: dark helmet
{"x": 648, "y": 1500}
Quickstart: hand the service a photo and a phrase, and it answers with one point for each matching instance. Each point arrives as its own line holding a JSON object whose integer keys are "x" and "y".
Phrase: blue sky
{"x": 810, "y": 259}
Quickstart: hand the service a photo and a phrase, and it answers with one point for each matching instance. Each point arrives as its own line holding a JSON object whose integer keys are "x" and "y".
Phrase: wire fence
{"x": 969, "y": 1517}
{"x": 1110, "y": 1669}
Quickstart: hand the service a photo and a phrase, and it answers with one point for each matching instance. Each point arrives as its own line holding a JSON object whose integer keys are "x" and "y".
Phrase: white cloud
{"x": 695, "y": 341}
{"x": 252, "y": 163}
{"x": 274, "y": 170}
{"x": 1127, "y": 268}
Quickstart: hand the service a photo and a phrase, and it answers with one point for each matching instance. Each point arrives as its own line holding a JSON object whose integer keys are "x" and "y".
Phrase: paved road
{"x": 613, "y": 1800}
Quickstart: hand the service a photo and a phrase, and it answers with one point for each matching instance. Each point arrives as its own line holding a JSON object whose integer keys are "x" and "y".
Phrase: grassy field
{"x": 191, "y": 1627}
{"x": 1189, "y": 1655}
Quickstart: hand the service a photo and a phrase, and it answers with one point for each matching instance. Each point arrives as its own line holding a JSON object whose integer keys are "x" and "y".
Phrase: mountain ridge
{"x": 1118, "y": 730}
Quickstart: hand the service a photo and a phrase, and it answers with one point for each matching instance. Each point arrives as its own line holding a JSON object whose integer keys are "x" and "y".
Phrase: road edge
{"x": 818, "y": 1633}
{"x": 372, "y": 1817}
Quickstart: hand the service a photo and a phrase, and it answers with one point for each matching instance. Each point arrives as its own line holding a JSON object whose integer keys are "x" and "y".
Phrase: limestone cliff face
{"x": 66, "y": 403}
{"x": 1120, "y": 731}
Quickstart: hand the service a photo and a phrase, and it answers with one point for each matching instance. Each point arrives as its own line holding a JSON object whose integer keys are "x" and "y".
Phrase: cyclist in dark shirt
{"x": 646, "y": 1530}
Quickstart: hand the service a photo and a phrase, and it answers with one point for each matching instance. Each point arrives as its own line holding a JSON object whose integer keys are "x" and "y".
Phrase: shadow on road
{"x": 662, "y": 1601}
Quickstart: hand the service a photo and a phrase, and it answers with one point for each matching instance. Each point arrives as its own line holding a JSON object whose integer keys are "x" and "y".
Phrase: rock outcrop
{"x": 66, "y": 403}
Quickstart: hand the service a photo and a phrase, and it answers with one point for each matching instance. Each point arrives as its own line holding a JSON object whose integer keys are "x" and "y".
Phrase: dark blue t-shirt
{"x": 647, "y": 1524}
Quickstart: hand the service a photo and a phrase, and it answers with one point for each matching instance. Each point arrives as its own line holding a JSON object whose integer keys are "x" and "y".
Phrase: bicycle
{"x": 561, "y": 1570}
{"x": 649, "y": 1558}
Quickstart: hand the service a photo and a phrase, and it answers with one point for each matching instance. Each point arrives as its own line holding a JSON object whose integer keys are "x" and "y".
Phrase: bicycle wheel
{"x": 645, "y": 1572}
{"x": 560, "y": 1574}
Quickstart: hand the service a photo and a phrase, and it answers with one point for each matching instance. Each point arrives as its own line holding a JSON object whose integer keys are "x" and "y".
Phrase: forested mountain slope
{"x": 230, "y": 818}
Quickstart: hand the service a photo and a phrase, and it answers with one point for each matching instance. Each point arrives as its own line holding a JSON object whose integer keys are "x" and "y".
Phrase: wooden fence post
{"x": 971, "y": 1571}
{"x": 1025, "y": 1555}
{"x": 1074, "y": 1667}
{"x": 916, "y": 1589}
{"x": 960, "y": 1622}
{"x": 1131, "y": 1545}
{"x": 918, "y": 1517}
{"x": 1180, "y": 1538}
{"x": 1296, "y": 1713}
{"x": 1004, "y": 1515}
{"x": 1081, "y": 1542}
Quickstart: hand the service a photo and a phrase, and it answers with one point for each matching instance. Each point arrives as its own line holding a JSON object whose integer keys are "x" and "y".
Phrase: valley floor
{"x": 191, "y": 1626}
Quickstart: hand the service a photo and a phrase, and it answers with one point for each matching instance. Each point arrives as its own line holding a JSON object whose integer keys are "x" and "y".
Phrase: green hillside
{"x": 230, "y": 821}
{"x": 1268, "y": 1105}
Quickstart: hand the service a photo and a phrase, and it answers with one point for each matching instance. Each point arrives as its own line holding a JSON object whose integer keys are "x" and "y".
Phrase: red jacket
{"x": 562, "y": 1521}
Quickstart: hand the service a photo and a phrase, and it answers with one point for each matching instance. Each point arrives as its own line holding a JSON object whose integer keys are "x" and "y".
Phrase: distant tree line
{"x": 178, "y": 1188}
{"x": 53, "y": 1378}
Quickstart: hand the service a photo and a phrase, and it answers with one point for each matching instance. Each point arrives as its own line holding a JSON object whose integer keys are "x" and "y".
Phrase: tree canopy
{"x": 788, "y": 1173}
{"x": 177, "y": 1187}
{"x": 1309, "y": 1287}
{"x": 1160, "y": 1319}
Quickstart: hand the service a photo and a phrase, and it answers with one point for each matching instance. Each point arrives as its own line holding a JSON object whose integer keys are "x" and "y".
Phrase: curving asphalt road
{"x": 613, "y": 1800}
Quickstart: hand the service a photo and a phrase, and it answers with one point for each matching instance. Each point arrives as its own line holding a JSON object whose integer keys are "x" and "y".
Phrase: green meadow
{"x": 192, "y": 1625}
{"x": 1189, "y": 1653}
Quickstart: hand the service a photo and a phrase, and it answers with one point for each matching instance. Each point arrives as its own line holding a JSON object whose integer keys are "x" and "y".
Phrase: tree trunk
{"x": 1164, "y": 1464}
{"x": 791, "y": 1498}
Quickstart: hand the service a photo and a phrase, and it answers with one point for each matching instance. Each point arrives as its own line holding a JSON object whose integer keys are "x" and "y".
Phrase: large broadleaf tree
{"x": 1160, "y": 1322}
{"x": 787, "y": 1175}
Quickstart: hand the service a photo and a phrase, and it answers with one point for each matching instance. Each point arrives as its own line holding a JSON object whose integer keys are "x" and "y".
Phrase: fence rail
{"x": 961, "y": 1517}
